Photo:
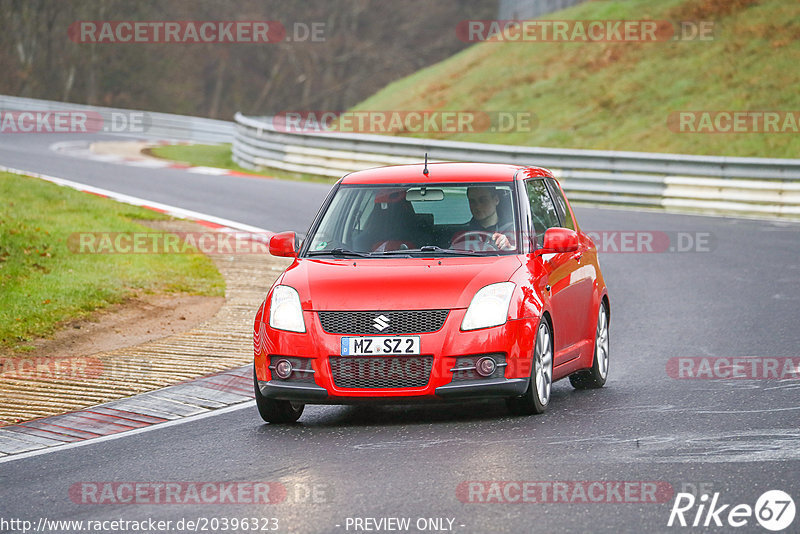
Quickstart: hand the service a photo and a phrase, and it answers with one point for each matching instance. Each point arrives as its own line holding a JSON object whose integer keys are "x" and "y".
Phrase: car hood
{"x": 395, "y": 284}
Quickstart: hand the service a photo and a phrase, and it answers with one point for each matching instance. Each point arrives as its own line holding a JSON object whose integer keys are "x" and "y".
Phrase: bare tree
{"x": 366, "y": 45}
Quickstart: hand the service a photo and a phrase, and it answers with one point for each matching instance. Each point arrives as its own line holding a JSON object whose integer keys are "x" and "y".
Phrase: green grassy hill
{"x": 618, "y": 96}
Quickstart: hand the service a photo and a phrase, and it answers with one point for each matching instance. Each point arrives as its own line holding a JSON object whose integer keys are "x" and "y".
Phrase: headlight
{"x": 285, "y": 312}
{"x": 489, "y": 306}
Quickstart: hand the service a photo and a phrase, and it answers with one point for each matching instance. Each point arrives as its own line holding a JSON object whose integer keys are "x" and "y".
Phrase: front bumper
{"x": 313, "y": 394}
{"x": 446, "y": 346}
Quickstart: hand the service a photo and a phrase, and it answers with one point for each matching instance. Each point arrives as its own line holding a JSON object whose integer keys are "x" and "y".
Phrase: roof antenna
{"x": 425, "y": 170}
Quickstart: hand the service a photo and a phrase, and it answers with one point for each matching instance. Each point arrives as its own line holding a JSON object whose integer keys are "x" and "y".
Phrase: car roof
{"x": 444, "y": 173}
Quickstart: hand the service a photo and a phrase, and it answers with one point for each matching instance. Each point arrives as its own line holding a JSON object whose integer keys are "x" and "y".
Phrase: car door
{"x": 570, "y": 287}
{"x": 584, "y": 276}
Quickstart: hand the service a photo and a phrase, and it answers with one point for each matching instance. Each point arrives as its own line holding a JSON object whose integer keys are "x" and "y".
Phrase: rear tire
{"x": 596, "y": 376}
{"x": 276, "y": 411}
{"x": 537, "y": 398}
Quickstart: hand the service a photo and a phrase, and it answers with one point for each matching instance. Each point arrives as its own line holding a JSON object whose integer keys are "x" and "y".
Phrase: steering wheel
{"x": 467, "y": 240}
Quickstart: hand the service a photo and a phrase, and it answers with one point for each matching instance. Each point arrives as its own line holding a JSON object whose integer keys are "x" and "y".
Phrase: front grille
{"x": 371, "y": 322}
{"x": 381, "y": 372}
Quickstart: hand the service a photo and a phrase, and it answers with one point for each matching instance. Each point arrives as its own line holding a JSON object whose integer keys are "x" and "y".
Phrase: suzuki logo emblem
{"x": 381, "y": 323}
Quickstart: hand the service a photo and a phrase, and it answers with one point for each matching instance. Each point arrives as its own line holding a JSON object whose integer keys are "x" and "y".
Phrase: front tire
{"x": 537, "y": 398}
{"x": 596, "y": 376}
{"x": 276, "y": 411}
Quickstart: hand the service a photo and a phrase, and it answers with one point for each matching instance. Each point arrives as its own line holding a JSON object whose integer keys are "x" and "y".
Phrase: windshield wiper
{"x": 338, "y": 252}
{"x": 432, "y": 248}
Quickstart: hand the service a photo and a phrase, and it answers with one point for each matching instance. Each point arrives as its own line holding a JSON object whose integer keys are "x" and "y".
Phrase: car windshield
{"x": 448, "y": 219}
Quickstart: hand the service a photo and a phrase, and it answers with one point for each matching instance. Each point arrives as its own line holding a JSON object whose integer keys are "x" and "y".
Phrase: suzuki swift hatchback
{"x": 442, "y": 281}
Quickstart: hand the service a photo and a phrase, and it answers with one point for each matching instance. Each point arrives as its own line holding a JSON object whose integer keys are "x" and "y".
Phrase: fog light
{"x": 486, "y": 366}
{"x": 283, "y": 369}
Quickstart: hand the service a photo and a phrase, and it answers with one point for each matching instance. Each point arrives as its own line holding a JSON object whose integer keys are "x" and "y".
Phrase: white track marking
{"x": 136, "y": 201}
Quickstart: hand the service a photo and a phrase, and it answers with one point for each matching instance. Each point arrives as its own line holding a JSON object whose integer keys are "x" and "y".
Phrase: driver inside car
{"x": 483, "y": 203}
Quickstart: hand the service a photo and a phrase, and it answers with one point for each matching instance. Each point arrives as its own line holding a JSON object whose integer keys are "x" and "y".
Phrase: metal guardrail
{"x": 710, "y": 184}
{"x": 755, "y": 186}
{"x": 153, "y": 125}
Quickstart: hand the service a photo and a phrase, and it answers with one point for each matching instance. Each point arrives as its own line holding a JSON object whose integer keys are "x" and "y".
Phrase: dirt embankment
{"x": 145, "y": 343}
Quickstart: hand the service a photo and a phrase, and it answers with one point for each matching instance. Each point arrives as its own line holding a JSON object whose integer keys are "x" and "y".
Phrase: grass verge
{"x": 43, "y": 283}
{"x": 221, "y": 156}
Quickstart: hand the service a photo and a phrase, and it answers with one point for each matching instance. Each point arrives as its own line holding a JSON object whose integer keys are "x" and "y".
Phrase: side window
{"x": 543, "y": 211}
{"x": 561, "y": 205}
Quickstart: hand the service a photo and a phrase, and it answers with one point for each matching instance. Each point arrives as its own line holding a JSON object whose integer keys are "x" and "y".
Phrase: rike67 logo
{"x": 774, "y": 510}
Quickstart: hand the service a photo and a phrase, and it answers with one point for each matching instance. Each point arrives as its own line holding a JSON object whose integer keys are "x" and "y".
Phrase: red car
{"x": 425, "y": 282}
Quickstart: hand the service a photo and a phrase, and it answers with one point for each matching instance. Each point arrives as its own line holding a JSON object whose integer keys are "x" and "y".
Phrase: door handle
{"x": 577, "y": 256}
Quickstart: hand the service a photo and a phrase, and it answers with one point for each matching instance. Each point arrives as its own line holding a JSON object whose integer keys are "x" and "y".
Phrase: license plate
{"x": 373, "y": 345}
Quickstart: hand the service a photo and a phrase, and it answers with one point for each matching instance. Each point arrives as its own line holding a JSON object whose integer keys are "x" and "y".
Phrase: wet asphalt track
{"x": 738, "y": 437}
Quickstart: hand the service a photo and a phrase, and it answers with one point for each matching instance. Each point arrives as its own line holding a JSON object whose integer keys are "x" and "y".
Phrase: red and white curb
{"x": 189, "y": 399}
{"x": 82, "y": 149}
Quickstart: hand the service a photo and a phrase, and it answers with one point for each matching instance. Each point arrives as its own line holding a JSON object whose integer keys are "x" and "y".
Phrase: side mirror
{"x": 559, "y": 240}
{"x": 283, "y": 245}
